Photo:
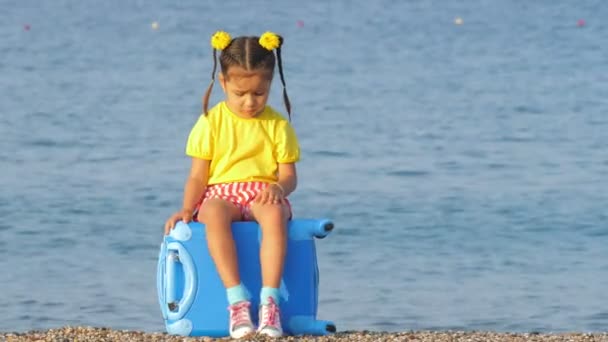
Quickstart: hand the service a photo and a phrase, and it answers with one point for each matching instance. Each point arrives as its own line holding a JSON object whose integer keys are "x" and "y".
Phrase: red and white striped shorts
{"x": 241, "y": 194}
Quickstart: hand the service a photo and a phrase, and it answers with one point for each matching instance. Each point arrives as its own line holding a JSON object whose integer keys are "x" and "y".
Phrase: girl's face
{"x": 246, "y": 91}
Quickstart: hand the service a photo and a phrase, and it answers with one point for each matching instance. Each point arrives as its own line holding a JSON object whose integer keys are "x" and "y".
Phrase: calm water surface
{"x": 465, "y": 166}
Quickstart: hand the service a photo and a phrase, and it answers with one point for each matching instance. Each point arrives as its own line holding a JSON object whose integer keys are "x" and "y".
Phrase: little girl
{"x": 243, "y": 168}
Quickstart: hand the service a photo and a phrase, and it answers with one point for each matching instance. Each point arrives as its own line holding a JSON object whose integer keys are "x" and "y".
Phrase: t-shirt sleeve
{"x": 200, "y": 141}
{"x": 287, "y": 147}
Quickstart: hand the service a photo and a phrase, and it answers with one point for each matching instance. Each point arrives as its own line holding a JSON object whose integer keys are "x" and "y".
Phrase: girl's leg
{"x": 273, "y": 222}
{"x": 217, "y": 215}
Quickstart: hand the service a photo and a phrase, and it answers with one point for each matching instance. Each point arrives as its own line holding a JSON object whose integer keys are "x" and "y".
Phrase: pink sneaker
{"x": 240, "y": 320}
{"x": 270, "y": 319}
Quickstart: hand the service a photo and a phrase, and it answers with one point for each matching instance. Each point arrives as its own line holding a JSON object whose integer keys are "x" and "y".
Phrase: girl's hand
{"x": 273, "y": 194}
{"x": 183, "y": 215}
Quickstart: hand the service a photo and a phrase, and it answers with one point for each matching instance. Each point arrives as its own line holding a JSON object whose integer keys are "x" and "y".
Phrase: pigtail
{"x": 219, "y": 41}
{"x": 208, "y": 92}
{"x": 272, "y": 41}
{"x": 285, "y": 97}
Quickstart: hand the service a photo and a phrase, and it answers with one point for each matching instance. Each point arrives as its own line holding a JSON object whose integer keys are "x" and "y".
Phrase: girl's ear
{"x": 222, "y": 80}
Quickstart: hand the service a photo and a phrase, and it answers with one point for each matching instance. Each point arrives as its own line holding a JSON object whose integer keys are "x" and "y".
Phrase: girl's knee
{"x": 270, "y": 212}
{"x": 216, "y": 210}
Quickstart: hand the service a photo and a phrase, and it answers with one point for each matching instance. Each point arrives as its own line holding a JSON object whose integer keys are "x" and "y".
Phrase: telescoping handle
{"x": 177, "y": 307}
{"x": 307, "y": 229}
{"x": 320, "y": 228}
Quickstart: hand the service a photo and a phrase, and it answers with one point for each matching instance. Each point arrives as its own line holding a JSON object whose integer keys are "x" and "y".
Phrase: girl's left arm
{"x": 288, "y": 179}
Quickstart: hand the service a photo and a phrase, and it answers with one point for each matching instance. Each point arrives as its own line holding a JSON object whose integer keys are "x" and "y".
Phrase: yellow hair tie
{"x": 270, "y": 41}
{"x": 220, "y": 40}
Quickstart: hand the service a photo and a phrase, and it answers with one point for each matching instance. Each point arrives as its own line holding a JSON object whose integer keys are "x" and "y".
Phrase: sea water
{"x": 459, "y": 147}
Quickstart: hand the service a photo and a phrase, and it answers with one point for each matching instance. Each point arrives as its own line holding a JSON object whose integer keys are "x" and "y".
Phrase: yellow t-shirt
{"x": 240, "y": 149}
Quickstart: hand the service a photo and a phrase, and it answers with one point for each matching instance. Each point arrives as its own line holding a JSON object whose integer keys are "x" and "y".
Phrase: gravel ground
{"x": 83, "y": 334}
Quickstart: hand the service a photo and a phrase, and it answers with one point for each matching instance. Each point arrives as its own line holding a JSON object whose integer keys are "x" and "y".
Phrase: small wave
{"x": 528, "y": 109}
{"x": 326, "y": 153}
{"x": 408, "y": 173}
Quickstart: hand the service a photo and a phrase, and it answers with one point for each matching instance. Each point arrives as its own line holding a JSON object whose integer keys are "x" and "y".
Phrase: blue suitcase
{"x": 193, "y": 299}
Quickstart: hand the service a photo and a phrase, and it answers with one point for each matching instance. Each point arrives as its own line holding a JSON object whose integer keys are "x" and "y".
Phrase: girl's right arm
{"x": 193, "y": 191}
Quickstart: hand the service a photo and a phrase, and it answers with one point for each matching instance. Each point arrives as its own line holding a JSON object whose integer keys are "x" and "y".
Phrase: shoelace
{"x": 270, "y": 313}
{"x": 239, "y": 313}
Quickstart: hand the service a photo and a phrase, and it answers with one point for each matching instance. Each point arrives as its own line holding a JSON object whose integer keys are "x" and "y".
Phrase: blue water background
{"x": 465, "y": 166}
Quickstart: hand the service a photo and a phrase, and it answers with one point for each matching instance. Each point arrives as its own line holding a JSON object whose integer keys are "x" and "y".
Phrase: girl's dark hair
{"x": 247, "y": 53}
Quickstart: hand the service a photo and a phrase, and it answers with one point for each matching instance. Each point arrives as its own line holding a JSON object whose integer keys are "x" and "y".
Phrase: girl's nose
{"x": 249, "y": 101}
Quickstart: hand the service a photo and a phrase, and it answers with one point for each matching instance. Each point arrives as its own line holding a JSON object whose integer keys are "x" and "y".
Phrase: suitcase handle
{"x": 170, "y": 262}
{"x": 160, "y": 279}
{"x": 176, "y": 253}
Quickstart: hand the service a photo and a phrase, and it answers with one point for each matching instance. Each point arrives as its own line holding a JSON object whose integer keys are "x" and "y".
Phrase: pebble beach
{"x": 458, "y": 146}
{"x": 82, "y": 334}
